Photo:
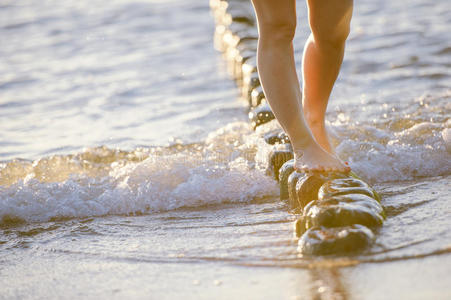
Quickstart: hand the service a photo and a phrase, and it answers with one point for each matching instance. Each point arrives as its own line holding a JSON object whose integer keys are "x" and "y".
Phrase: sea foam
{"x": 228, "y": 167}
{"x": 220, "y": 171}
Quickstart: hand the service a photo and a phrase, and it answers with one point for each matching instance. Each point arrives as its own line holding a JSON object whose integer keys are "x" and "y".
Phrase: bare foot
{"x": 315, "y": 159}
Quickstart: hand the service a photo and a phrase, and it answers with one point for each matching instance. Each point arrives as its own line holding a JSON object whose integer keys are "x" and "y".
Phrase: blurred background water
{"x": 128, "y": 167}
{"x": 79, "y": 74}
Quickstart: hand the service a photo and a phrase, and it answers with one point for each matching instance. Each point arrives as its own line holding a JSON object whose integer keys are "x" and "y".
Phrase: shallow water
{"x": 129, "y": 168}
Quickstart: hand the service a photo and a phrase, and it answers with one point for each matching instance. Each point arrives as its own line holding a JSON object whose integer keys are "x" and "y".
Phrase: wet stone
{"x": 344, "y": 186}
{"x": 257, "y": 95}
{"x": 284, "y": 172}
{"x": 308, "y": 186}
{"x": 335, "y": 213}
{"x": 226, "y": 11}
{"x": 272, "y": 137}
{"x": 229, "y": 41}
{"x": 359, "y": 199}
{"x": 277, "y": 136}
{"x": 230, "y": 56}
{"x": 283, "y": 138}
{"x": 338, "y": 241}
{"x": 248, "y": 42}
{"x": 239, "y": 59}
{"x": 218, "y": 40}
{"x": 292, "y": 182}
{"x": 260, "y": 115}
{"x": 246, "y": 19}
{"x": 277, "y": 157}
{"x": 249, "y": 83}
{"x": 249, "y": 67}
{"x": 240, "y": 8}
{"x": 241, "y": 30}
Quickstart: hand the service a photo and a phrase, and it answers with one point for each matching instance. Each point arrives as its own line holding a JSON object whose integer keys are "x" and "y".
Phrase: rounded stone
{"x": 260, "y": 115}
{"x": 359, "y": 199}
{"x": 250, "y": 66}
{"x": 334, "y": 213}
{"x": 250, "y": 83}
{"x": 344, "y": 186}
{"x": 248, "y": 42}
{"x": 284, "y": 139}
{"x": 277, "y": 157}
{"x": 338, "y": 241}
{"x": 284, "y": 172}
{"x": 257, "y": 95}
{"x": 307, "y": 188}
{"x": 277, "y": 136}
{"x": 272, "y": 137}
{"x": 293, "y": 179}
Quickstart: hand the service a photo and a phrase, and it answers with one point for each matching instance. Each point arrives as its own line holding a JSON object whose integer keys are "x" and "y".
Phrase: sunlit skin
{"x": 302, "y": 114}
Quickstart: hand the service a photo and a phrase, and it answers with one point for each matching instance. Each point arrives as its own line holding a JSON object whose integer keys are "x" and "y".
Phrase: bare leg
{"x": 323, "y": 55}
{"x": 276, "y": 66}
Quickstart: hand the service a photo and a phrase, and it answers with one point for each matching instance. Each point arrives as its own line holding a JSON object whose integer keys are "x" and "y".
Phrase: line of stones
{"x": 338, "y": 212}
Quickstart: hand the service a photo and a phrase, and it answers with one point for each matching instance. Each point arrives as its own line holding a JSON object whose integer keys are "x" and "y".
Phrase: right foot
{"x": 314, "y": 159}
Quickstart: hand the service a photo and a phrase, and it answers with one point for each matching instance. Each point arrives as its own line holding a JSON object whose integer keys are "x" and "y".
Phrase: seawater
{"x": 129, "y": 168}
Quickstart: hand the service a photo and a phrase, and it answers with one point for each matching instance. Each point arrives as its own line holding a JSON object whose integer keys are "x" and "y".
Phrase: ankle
{"x": 304, "y": 146}
{"x": 316, "y": 121}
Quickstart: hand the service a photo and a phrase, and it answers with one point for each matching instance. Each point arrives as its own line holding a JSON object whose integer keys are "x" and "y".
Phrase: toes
{"x": 322, "y": 169}
{"x": 345, "y": 169}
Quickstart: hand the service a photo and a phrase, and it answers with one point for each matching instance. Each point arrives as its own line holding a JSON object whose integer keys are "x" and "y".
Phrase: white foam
{"x": 383, "y": 156}
{"x": 223, "y": 171}
{"x": 228, "y": 168}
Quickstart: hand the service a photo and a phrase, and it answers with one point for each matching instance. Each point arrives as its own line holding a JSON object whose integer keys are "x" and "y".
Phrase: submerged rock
{"x": 338, "y": 240}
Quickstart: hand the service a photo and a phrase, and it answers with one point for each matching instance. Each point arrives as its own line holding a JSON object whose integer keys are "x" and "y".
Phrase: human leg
{"x": 276, "y": 67}
{"x": 323, "y": 54}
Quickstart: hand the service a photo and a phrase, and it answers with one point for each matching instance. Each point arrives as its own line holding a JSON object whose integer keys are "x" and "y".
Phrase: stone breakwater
{"x": 337, "y": 213}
